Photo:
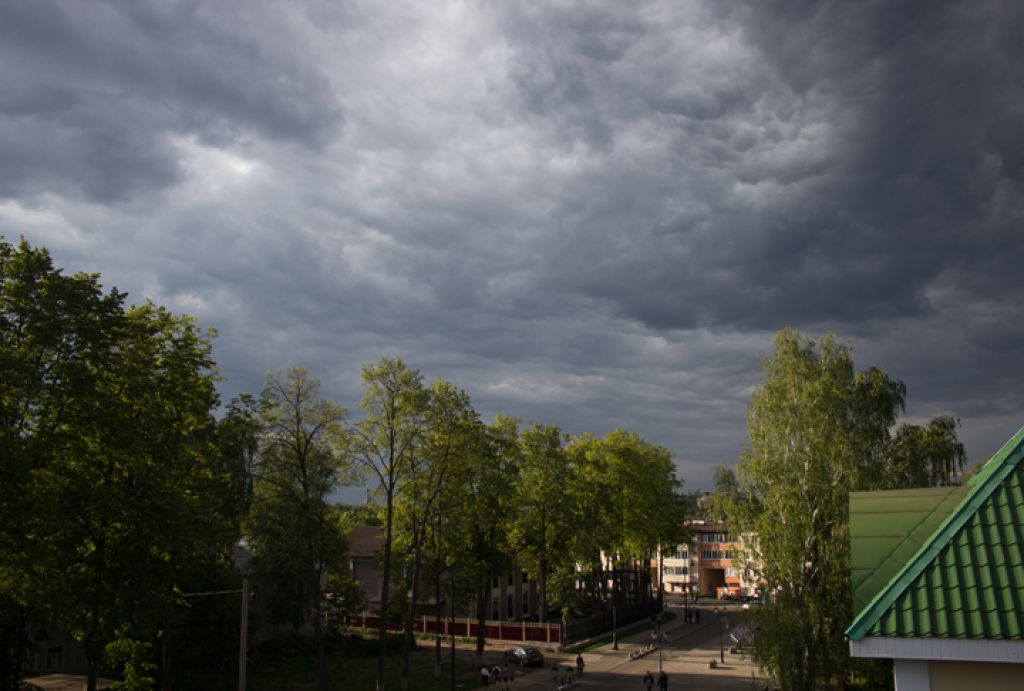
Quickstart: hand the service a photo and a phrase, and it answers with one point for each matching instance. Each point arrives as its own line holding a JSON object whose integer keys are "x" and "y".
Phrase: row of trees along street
{"x": 126, "y": 484}
{"x": 819, "y": 429}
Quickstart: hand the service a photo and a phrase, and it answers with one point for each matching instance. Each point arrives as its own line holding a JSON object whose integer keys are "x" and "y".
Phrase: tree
{"x": 477, "y": 504}
{"x": 626, "y": 490}
{"x": 448, "y": 424}
{"x": 541, "y": 525}
{"x": 384, "y": 445}
{"x": 51, "y": 332}
{"x": 292, "y": 529}
{"x": 131, "y": 475}
{"x": 930, "y": 456}
{"x": 817, "y": 429}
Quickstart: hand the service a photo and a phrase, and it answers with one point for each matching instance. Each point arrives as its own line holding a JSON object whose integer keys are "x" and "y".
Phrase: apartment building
{"x": 714, "y": 564}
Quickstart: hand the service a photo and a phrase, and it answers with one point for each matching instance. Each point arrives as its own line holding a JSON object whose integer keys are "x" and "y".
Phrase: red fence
{"x": 520, "y": 631}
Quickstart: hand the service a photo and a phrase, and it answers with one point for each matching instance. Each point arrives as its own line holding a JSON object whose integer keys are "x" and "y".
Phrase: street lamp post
{"x": 722, "y": 624}
{"x": 615, "y": 629}
{"x": 659, "y": 639}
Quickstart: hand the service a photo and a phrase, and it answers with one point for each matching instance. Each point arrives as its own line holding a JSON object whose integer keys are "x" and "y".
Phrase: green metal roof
{"x": 888, "y": 528}
{"x": 966, "y": 577}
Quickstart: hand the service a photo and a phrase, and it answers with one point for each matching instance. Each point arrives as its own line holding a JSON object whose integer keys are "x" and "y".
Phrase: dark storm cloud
{"x": 93, "y": 94}
{"x": 586, "y": 214}
{"x": 866, "y": 155}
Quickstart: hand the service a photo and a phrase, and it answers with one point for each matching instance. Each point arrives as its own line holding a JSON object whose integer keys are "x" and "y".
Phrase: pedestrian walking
{"x": 697, "y": 614}
{"x": 648, "y": 681}
{"x": 496, "y": 674}
{"x": 579, "y": 664}
{"x": 663, "y": 681}
{"x": 485, "y": 676}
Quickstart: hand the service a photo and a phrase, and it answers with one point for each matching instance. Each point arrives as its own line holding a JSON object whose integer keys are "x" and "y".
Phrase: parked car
{"x": 526, "y": 657}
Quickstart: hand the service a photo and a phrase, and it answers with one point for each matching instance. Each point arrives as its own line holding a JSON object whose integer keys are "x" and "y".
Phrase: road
{"x": 684, "y": 657}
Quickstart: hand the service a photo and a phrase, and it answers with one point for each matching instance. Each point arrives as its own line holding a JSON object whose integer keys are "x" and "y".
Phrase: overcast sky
{"x": 594, "y": 215}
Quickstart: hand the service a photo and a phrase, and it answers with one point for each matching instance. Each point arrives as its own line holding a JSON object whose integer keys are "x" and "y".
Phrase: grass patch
{"x": 290, "y": 664}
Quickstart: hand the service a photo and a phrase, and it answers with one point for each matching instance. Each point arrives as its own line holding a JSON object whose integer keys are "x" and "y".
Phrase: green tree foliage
{"x": 541, "y": 522}
{"x": 107, "y": 423}
{"x": 131, "y": 656}
{"x": 475, "y": 527}
{"x": 625, "y": 488}
{"x": 447, "y": 430}
{"x": 51, "y": 337}
{"x": 929, "y": 456}
{"x": 819, "y": 429}
{"x": 384, "y": 444}
{"x": 294, "y": 533}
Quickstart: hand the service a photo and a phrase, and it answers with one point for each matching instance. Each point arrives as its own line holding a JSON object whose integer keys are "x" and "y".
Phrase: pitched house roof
{"x": 956, "y": 570}
{"x": 365, "y": 540}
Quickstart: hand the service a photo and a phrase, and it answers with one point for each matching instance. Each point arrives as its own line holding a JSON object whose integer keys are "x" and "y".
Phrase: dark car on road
{"x": 526, "y": 657}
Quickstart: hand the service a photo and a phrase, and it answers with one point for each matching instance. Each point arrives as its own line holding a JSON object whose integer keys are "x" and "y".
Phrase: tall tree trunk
{"x": 166, "y": 673}
{"x": 543, "y": 589}
{"x": 410, "y": 619}
{"x": 8, "y": 651}
{"x": 92, "y": 659}
{"x": 21, "y": 645}
{"x": 483, "y": 602}
{"x": 385, "y": 591}
{"x": 437, "y": 615}
{"x": 543, "y": 614}
{"x": 318, "y": 633}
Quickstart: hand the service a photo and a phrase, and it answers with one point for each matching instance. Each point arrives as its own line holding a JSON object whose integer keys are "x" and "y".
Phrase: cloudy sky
{"x": 591, "y": 214}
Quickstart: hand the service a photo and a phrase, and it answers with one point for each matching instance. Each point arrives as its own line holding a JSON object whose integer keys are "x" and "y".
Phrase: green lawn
{"x": 289, "y": 664}
{"x": 358, "y": 670}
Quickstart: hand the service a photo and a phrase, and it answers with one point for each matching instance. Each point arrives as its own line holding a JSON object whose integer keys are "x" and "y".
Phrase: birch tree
{"x": 816, "y": 426}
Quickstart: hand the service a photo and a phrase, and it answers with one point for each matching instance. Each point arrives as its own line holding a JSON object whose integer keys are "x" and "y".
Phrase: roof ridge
{"x": 998, "y": 467}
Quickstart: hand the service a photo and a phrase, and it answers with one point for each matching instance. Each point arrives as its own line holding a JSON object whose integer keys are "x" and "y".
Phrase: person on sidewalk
{"x": 648, "y": 681}
{"x": 579, "y": 664}
{"x": 663, "y": 681}
{"x": 485, "y": 676}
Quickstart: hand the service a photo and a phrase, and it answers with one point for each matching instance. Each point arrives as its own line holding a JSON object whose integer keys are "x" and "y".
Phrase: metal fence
{"x": 599, "y": 623}
{"x": 516, "y": 631}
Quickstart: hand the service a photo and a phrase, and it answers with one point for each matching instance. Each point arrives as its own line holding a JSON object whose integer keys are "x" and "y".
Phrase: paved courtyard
{"x": 684, "y": 658}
